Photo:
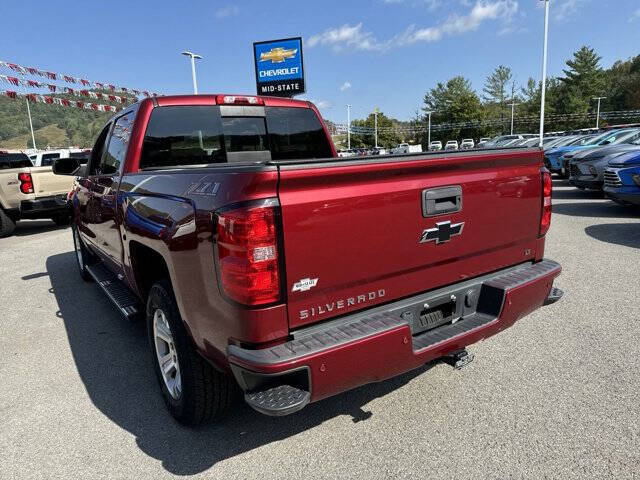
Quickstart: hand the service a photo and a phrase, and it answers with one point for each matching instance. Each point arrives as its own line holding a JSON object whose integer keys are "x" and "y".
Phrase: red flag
{"x": 48, "y": 100}
{"x": 65, "y": 102}
{"x": 79, "y": 104}
{"x": 32, "y": 71}
{"x": 112, "y": 98}
{"x": 69, "y": 79}
{"x": 112, "y": 87}
{"x": 34, "y": 83}
{"x": 99, "y": 85}
{"x": 94, "y": 107}
{"x": 84, "y": 93}
{"x": 31, "y": 97}
{"x": 13, "y": 80}
{"x": 52, "y": 88}
{"x": 11, "y": 94}
{"x": 51, "y": 75}
{"x": 84, "y": 82}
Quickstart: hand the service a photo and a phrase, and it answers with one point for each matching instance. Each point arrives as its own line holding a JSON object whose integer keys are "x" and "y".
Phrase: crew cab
{"x": 28, "y": 192}
{"x": 261, "y": 260}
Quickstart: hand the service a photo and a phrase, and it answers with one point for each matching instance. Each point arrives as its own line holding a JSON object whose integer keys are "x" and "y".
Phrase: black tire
{"x": 7, "y": 225}
{"x": 82, "y": 254}
{"x": 62, "y": 219}
{"x": 205, "y": 393}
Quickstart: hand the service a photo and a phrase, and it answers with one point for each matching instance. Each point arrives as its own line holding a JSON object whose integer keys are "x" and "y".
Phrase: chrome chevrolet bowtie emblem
{"x": 442, "y": 232}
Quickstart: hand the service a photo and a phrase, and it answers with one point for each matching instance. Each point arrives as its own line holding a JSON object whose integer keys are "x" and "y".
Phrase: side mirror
{"x": 66, "y": 166}
{"x": 606, "y": 142}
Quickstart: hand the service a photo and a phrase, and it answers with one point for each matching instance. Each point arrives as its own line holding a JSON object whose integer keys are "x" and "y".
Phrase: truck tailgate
{"x": 356, "y": 234}
{"x": 46, "y": 183}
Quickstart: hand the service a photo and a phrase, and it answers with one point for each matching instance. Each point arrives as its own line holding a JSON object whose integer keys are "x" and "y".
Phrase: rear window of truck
{"x": 199, "y": 135}
{"x": 14, "y": 160}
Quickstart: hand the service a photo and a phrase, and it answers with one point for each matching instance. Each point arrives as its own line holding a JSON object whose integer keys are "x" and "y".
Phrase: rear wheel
{"x": 7, "y": 224}
{"x": 193, "y": 391}
{"x": 61, "y": 219}
{"x": 82, "y": 255}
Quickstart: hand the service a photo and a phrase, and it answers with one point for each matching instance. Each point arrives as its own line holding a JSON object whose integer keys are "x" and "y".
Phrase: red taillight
{"x": 238, "y": 100}
{"x": 545, "y": 220}
{"x": 26, "y": 182}
{"x": 248, "y": 255}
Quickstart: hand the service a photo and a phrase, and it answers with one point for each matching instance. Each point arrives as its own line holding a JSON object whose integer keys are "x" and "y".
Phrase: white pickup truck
{"x": 28, "y": 192}
{"x": 406, "y": 148}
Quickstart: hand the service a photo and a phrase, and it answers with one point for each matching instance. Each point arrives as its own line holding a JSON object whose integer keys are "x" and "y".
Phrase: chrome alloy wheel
{"x": 166, "y": 354}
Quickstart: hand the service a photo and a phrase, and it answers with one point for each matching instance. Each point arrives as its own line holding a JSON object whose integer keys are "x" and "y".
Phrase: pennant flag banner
{"x": 60, "y": 89}
{"x": 74, "y": 80}
{"x": 65, "y": 102}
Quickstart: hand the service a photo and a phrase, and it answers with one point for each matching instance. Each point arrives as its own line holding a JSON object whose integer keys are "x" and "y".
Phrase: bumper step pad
{"x": 278, "y": 401}
{"x": 122, "y": 297}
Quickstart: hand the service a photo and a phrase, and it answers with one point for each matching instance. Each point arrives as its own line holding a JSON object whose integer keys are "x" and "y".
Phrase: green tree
{"x": 584, "y": 79}
{"x": 454, "y": 102}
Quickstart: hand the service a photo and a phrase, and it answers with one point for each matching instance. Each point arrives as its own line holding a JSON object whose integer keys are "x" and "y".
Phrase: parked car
{"x": 586, "y": 168}
{"x": 216, "y": 225}
{"x": 467, "y": 143}
{"x": 404, "y": 148}
{"x": 28, "y": 192}
{"x": 435, "y": 145}
{"x": 614, "y": 137}
{"x": 45, "y": 158}
{"x": 451, "y": 145}
{"x": 505, "y": 140}
{"x": 622, "y": 179}
{"x": 553, "y": 157}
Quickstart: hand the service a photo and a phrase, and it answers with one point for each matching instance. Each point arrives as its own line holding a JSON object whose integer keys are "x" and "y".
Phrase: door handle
{"x": 441, "y": 200}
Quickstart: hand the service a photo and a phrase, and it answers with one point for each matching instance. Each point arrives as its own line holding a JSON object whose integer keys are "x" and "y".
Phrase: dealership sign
{"x": 279, "y": 67}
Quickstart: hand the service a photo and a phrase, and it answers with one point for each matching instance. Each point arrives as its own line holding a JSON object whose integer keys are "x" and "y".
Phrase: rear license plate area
{"x": 434, "y": 314}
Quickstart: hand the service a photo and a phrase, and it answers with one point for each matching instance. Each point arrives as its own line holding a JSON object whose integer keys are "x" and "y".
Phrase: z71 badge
{"x": 304, "y": 285}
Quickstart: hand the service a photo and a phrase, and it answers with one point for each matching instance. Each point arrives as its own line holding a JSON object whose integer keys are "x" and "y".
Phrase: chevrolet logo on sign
{"x": 278, "y": 54}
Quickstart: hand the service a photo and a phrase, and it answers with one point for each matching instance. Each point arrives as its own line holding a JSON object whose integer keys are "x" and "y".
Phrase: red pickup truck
{"x": 259, "y": 259}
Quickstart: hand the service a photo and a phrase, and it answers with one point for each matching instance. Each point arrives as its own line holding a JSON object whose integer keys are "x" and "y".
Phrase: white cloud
{"x": 345, "y": 36}
{"x": 345, "y": 86}
{"x": 322, "y": 104}
{"x": 457, "y": 24}
{"x": 563, "y": 9}
{"x": 356, "y": 38}
{"x": 635, "y": 15}
{"x": 227, "y": 11}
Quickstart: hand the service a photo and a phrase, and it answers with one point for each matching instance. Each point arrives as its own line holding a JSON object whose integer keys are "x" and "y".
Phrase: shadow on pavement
{"x": 626, "y": 234}
{"x": 33, "y": 227}
{"x": 575, "y": 194}
{"x": 607, "y": 209}
{"x": 113, "y": 360}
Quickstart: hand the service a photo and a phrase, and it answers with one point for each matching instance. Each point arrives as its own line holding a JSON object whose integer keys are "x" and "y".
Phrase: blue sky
{"x": 366, "y": 53}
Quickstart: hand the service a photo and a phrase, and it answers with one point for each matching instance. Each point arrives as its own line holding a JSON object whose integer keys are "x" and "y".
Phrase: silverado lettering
{"x": 340, "y": 304}
{"x": 188, "y": 226}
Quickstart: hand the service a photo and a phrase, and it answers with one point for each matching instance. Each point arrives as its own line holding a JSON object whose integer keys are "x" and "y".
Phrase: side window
{"x": 48, "y": 158}
{"x": 97, "y": 150}
{"x": 118, "y": 144}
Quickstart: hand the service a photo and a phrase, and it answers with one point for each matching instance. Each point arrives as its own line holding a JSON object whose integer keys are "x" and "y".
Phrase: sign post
{"x": 279, "y": 67}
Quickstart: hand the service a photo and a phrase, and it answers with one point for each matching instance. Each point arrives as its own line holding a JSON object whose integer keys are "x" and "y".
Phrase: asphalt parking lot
{"x": 554, "y": 396}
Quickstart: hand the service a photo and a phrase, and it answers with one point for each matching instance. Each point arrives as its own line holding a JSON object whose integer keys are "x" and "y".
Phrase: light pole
{"x": 375, "y": 116}
{"x": 348, "y": 127}
{"x": 33, "y": 137}
{"x": 513, "y": 104}
{"x": 544, "y": 68}
{"x": 193, "y": 68}
{"x": 598, "y": 114}
{"x": 429, "y": 129}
